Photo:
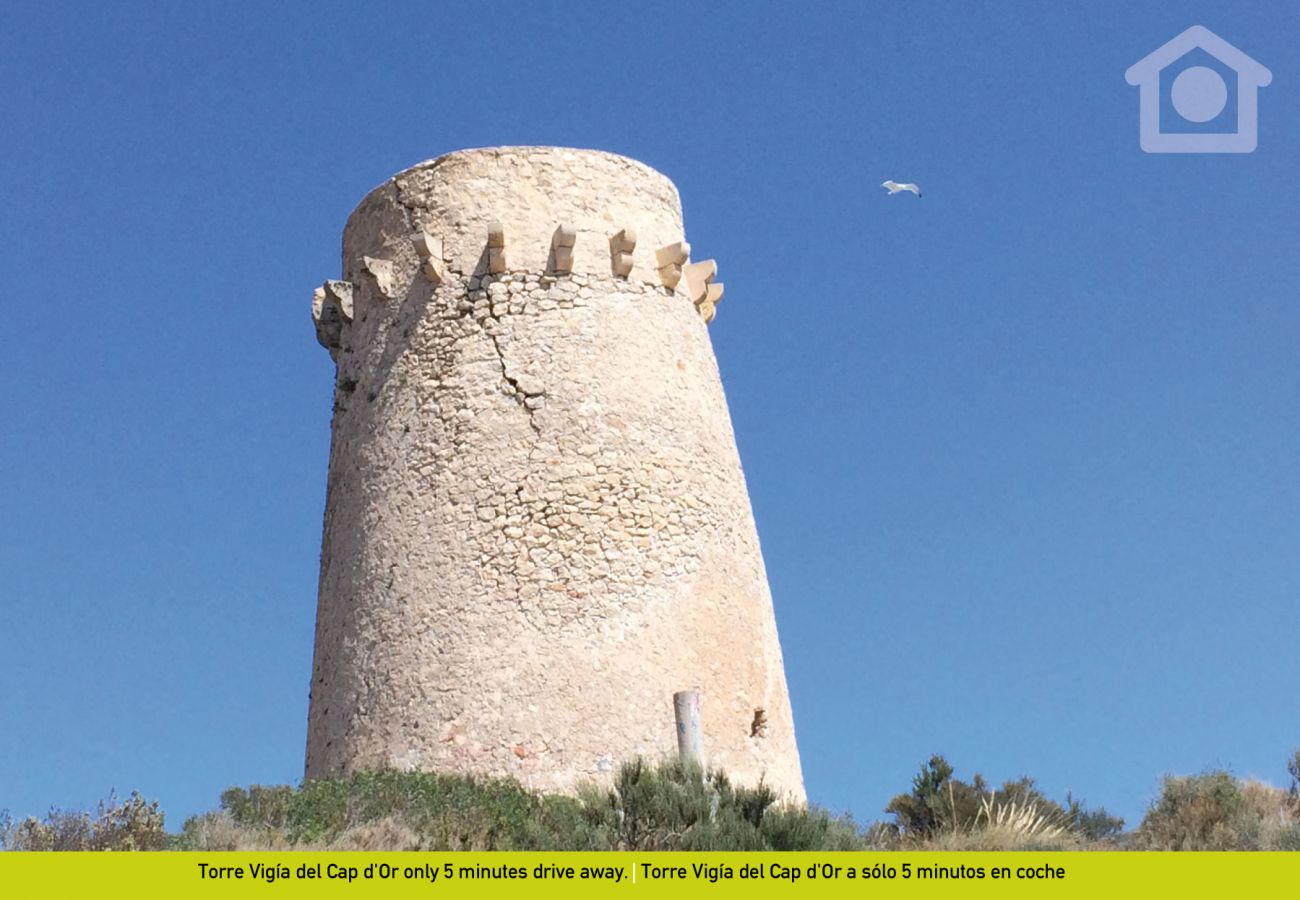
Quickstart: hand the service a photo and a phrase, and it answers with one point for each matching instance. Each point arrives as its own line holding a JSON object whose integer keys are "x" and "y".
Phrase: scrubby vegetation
{"x": 1215, "y": 811}
{"x": 945, "y": 813}
{"x": 130, "y": 824}
{"x": 674, "y": 806}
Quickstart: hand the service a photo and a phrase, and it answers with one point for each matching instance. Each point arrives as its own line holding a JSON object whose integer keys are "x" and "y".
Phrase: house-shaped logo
{"x": 1199, "y": 95}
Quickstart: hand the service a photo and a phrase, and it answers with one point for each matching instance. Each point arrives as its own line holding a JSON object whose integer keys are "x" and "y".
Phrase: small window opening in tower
{"x": 758, "y": 727}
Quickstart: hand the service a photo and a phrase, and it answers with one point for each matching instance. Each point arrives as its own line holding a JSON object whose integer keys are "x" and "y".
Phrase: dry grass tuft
{"x": 1022, "y": 822}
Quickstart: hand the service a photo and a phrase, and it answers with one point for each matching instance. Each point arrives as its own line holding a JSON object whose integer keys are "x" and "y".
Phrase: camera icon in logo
{"x": 1212, "y": 92}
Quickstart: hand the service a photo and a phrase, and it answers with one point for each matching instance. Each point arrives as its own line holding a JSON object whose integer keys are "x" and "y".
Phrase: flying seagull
{"x": 894, "y": 187}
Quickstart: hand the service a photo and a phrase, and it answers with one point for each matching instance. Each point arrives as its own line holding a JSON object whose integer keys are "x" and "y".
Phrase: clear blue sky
{"x": 1023, "y": 453}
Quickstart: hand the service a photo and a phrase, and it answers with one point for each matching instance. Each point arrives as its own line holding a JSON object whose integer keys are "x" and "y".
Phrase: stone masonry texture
{"x": 536, "y": 528}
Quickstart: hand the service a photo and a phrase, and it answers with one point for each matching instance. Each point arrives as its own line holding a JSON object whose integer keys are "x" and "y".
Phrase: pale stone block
{"x": 623, "y": 242}
{"x": 708, "y": 304}
{"x": 327, "y": 329}
{"x": 433, "y": 271}
{"x": 698, "y": 275}
{"x": 331, "y": 310}
{"x": 339, "y": 294}
{"x": 429, "y": 249}
{"x": 381, "y": 272}
{"x": 426, "y": 245}
{"x": 562, "y": 243}
{"x": 496, "y": 248}
{"x": 621, "y": 246}
{"x": 670, "y": 275}
{"x": 674, "y": 254}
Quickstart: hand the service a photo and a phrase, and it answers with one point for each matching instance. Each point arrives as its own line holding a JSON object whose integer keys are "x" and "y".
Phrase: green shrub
{"x": 130, "y": 824}
{"x": 924, "y": 811}
{"x": 1199, "y": 812}
{"x": 1215, "y": 811}
{"x": 949, "y": 813}
{"x": 678, "y": 806}
{"x": 442, "y": 811}
{"x": 1091, "y": 824}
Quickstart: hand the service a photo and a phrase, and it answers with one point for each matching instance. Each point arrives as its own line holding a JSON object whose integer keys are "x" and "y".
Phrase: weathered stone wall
{"x": 537, "y": 528}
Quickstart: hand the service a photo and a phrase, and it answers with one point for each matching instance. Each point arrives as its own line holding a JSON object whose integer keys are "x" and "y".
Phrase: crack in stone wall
{"x": 527, "y": 402}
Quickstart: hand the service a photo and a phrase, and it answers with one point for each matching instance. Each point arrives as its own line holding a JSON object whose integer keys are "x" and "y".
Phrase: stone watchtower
{"x": 537, "y": 529}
